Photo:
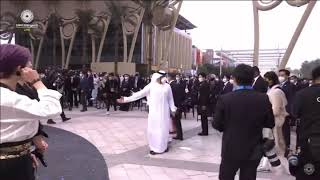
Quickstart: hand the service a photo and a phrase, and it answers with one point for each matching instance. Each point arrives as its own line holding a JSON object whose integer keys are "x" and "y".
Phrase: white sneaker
{"x": 107, "y": 113}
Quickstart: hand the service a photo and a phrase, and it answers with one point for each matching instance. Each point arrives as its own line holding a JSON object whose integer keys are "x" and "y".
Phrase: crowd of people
{"x": 255, "y": 112}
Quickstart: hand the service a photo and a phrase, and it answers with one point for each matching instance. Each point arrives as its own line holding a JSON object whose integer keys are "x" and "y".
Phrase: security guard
{"x": 307, "y": 109}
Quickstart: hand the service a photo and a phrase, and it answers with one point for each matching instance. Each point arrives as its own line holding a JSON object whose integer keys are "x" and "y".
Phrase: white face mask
{"x": 224, "y": 80}
{"x": 163, "y": 80}
{"x": 292, "y": 81}
{"x": 201, "y": 79}
{"x": 232, "y": 81}
{"x": 281, "y": 79}
{"x": 126, "y": 78}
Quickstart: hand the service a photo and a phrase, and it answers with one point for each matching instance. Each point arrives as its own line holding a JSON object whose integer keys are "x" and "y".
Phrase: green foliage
{"x": 212, "y": 69}
{"x": 308, "y": 66}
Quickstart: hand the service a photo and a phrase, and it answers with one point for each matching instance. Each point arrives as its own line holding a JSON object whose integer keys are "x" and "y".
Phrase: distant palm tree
{"x": 85, "y": 17}
{"x": 54, "y": 22}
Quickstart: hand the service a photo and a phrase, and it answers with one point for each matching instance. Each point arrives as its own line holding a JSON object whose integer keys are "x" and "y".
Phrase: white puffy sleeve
{"x": 173, "y": 108}
{"x": 48, "y": 105}
{"x": 138, "y": 95}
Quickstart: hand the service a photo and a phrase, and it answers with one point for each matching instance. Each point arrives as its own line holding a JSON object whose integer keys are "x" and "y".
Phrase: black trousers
{"x": 204, "y": 123}
{"x": 72, "y": 98}
{"x": 84, "y": 100}
{"x": 229, "y": 168}
{"x": 112, "y": 99}
{"x": 286, "y": 131}
{"x": 177, "y": 122}
{"x": 17, "y": 168}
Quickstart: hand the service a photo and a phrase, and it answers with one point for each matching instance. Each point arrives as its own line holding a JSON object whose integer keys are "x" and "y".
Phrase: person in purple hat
{"x": 19, "y": 114}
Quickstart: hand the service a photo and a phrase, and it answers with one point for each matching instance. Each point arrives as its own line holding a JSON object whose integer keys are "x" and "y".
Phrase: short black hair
{"x": 287, "y": 72}
{"x": 228, "y": 76}
{"x": 243, "y": 74}
{"x": 171, "y": 75}
{"x": 316, "y": 73}
{"x": 203, "y": 74}
{"x": 273, "y": 77}
{"x": 256, "y": 69}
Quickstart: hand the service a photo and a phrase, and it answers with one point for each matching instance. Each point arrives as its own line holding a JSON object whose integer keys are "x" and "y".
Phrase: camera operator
{"x": 306, "y": 166}
{"x": 55, "y": 81}
{"x": 19, "y": 117}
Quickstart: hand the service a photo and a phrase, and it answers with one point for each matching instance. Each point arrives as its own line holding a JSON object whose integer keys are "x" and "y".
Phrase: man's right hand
{"x": 29, "y": 75}
{"x": 121, "y": 100}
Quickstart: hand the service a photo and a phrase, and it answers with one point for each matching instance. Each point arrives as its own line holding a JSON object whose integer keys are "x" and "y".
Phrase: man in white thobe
{"x": 160, "y": 101}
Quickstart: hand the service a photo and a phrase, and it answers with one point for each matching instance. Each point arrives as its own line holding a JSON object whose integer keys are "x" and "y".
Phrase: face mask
{"x": 163, "y": 80}
{"x": 232, "y": 81}
{"x": 224, "y": 80}
{"x": 178, "y": 79}
{"x": 292, "y": 81}
{"x": 217, "y": 79}
{"x": 126, "y": 78}
{"x": 201, "y": 79}
{"x": 281, "y": 79}
{"x": 187, "y": 79}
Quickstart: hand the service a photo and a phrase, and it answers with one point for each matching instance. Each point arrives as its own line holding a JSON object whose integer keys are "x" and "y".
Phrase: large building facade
{"x": 106, "y": 35}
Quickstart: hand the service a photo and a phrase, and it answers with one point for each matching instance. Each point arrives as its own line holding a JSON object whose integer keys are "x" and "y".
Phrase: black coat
{"x": 125, "y": 89}
{"x": 241, "y": 115}
{"x": 289, "y": 89}
{"x": 112, "y": 86}
{"x": 137, "y": 83}
{"x": 227, "y": 88}
{"x": 178, "y": 92}
{"x": 260, "y": 85}
{"x": 307, "y": 108}
{"x": 204, "y": 94}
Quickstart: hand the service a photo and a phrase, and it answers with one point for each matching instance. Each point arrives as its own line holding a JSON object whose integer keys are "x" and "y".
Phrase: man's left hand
{"x": 40, "y": 143}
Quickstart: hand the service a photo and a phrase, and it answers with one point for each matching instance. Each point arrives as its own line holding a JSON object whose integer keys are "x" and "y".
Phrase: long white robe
{"x": 160, "y": 101}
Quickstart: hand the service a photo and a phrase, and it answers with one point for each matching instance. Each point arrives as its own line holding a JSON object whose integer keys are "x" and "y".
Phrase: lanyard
{"x": 243, "y": 87}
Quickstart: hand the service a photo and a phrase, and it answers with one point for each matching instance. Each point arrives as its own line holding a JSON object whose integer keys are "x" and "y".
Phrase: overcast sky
{"x": 229, "y": 25}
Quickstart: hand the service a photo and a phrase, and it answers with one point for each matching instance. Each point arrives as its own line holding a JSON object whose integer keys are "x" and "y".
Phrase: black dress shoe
{"x": 50, "y": 121}
{"x": 167, "y": 150}
{"x": 178, "y": 138}
{"x": 83, "y": 110}
{"x": 65, "y": 119}
{"x": 202, "y": 134}
{"x": 153, "y": 153}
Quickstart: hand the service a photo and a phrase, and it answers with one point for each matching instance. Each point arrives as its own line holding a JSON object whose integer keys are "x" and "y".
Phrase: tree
{"x": 308, "y": 66}
{"x": 54, "y": 22}
{"x": 85, "y": 16}
{"x": 212, "y": 69}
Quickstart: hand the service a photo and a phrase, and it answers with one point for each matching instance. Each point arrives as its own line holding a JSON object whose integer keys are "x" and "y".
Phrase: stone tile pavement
{"x": 121, "y": 138}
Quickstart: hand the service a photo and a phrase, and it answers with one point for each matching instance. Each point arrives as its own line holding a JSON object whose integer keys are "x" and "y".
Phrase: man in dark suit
{"x": 289, "y": 90}
{"x": 179, "y": 95}
{"x": 259, "y": 84}
{"x": 84, "y": 89}
{"x": 241, "y": 115}
{"x": 203, "y": 103}
{"x": 306, "y": 108}
{"x": 228, "y": 86}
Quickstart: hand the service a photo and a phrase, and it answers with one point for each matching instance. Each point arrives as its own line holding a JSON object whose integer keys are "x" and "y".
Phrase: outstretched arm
{"x": 138, "y": 95}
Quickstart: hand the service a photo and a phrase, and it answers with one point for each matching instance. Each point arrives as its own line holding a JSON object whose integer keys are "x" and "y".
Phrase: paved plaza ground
{"x": 121, "y": 139}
